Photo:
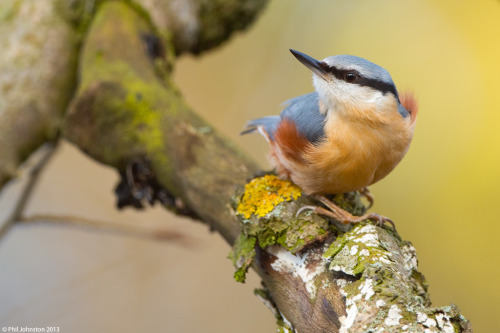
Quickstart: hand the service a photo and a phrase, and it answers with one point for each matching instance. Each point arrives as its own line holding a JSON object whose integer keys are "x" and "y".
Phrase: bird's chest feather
{"x": 354, "y": 154}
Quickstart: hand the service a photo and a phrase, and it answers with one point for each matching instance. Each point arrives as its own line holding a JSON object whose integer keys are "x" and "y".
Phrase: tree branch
{"x": 199, "y": 25}
{"x": 38, "y": 77}
{"x": 34, "y": 175}
{"x": 156, "y": 233}
{"x": 321, "y": 276}
{"x": 127, "y": 108}
{"x": 39, "y": 57}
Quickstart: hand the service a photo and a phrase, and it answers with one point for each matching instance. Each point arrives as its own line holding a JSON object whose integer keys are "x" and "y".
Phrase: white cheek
{"x": 372, "y": 96}
{"x": 352, "y": 93}
{"x": 338, "y": 93}
{"x": 324, "y": 90}
{"x": 319, "y": 84}
{"x": 383, "y": 102}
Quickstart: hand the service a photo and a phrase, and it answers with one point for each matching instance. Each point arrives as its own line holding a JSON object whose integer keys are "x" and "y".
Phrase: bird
{"x": 349, "y": 133}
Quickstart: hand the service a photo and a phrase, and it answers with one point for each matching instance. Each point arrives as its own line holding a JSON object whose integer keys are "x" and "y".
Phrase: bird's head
{"x": 346, "y": 82}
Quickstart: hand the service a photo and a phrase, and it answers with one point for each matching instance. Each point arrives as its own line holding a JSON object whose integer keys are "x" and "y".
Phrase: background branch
{"x": 27, "y": 191}
{"x": 37, "y": 66}
{"x": 156, "y": 233}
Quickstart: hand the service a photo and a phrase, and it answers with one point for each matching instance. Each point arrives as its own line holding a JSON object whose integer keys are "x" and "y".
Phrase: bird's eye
{"x": 350, "y": 77}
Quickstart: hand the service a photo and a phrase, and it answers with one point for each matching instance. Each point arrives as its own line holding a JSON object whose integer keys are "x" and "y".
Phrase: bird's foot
{"x": 343, "y": 216}
{"x": 365, "y": 192}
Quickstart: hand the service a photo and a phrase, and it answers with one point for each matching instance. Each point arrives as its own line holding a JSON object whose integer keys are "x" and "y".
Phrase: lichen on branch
{"x": 267, "y": 209}
{"x": 262, "y": 194}
{"x": 370, "y": 267}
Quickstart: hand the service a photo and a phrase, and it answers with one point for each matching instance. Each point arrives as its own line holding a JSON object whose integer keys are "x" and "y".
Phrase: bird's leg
{"x": 342, "y": 215}
{"x": 365, "y": 191}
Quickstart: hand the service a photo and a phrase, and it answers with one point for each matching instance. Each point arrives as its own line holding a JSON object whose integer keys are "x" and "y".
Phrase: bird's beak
{"x": 318, "y": 67}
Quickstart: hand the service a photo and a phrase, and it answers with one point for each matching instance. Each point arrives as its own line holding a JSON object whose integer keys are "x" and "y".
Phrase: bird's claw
{"x": 381, "y": 220}
{"x": 313, "y": 208}
{"x": 339, "y": 214}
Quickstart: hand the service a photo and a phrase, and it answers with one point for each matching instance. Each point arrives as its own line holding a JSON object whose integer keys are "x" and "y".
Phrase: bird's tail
{"x": 410, "y": 103}
{"x": 265, "y": 125}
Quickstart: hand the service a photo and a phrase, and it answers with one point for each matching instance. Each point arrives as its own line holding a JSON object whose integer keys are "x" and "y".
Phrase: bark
{"x": 40, "y": 41}
{"x": 320, "y": 276}
{"x": 37, "y": 66}
{"x": 127, "y": 113}
{"x": 126, "y": 107}
{"x": 199, "y": 25}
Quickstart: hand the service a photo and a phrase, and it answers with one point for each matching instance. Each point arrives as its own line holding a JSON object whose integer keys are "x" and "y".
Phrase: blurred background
{"x": 442, "y": 197}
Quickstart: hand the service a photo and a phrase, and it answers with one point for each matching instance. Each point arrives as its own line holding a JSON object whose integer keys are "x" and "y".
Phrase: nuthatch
{"x": 347, "y": 135}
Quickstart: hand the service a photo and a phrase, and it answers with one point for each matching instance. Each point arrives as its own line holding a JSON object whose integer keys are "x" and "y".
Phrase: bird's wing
{"x": 304, "y": 112}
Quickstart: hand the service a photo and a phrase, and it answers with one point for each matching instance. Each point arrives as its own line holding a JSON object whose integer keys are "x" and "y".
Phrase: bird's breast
{"x": 354, "y": 154}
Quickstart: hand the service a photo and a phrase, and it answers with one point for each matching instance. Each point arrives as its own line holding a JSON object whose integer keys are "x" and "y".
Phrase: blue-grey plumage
{"x": 303, "y": 110}
{"x": 368, "y": 68}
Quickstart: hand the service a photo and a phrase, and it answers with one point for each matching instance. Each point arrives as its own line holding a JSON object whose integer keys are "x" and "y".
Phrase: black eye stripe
{"x": 381, "y": 86}
{"x": 361, "y": 80}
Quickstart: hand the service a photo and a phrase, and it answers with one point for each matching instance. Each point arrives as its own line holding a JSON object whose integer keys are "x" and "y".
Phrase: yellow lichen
{"x": 264, "y": 193}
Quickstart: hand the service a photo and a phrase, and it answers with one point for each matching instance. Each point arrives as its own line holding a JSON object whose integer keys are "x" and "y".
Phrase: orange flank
{"x": 292, "y": 144}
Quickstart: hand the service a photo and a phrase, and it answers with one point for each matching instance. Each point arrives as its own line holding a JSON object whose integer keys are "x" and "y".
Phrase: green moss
{"x": 242, "y": 256}
{"x": 122, "y": 93}
{"x": 106, "y": 58}
{"x": 9, "y": 12}
{"x": 143, "y": 127}
{"x": 78, "y": 13}
{"x": 220, "y": 18}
